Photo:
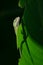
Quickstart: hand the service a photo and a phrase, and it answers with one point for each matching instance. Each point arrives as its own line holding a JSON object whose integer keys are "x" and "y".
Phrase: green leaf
{"x": 21, "y": 3}
{"x": 33, "y": 19}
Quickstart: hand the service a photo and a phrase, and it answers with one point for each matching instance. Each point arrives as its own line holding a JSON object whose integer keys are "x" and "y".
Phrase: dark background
{"x": 8, "y": 47}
